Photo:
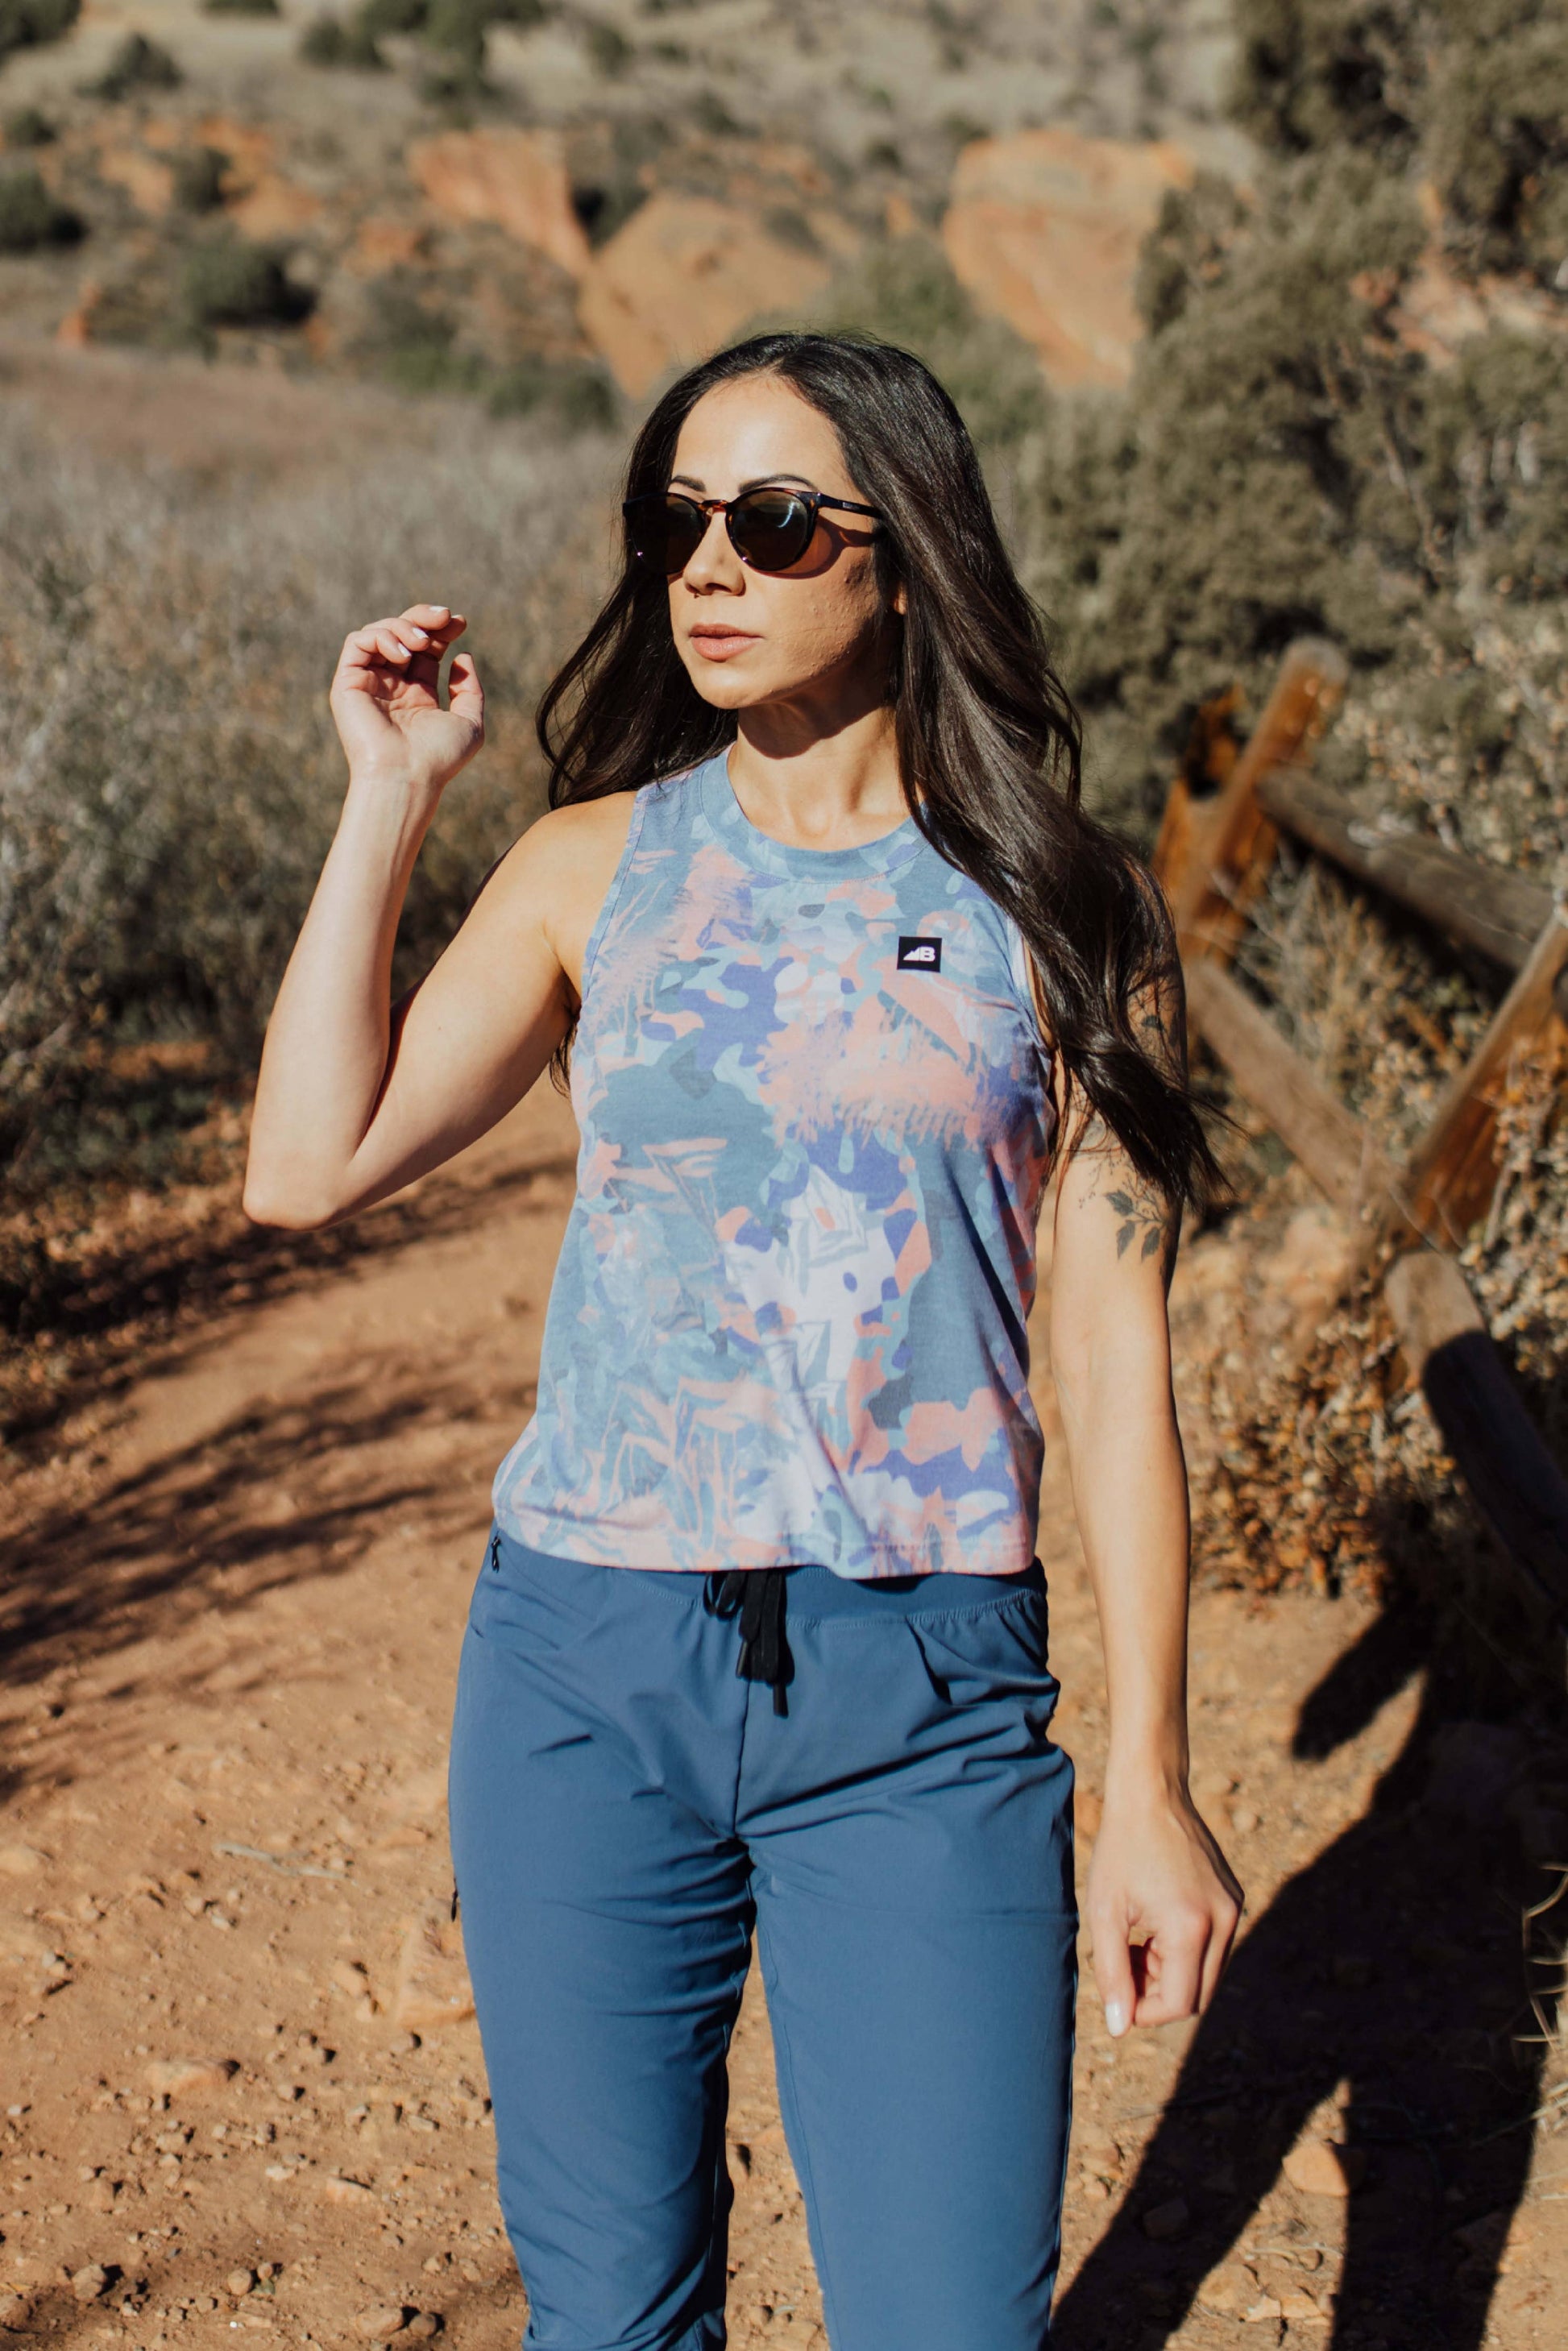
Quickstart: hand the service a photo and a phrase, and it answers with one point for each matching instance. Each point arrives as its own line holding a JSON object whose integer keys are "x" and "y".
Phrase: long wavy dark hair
{"x": 989, "y": 742}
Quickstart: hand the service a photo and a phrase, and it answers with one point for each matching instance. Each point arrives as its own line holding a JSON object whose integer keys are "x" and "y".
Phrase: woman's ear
{"x": 901, "y": 599}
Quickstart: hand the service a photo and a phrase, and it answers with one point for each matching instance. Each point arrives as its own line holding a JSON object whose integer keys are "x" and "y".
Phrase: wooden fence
{"x": 1220, "y": 834}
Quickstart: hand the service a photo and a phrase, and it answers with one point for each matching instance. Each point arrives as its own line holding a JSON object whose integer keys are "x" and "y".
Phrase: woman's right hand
{"x": 384, "y": 703}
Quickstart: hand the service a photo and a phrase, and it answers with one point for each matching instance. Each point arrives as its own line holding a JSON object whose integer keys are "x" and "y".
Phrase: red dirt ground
{"x": 234, "y": 1603}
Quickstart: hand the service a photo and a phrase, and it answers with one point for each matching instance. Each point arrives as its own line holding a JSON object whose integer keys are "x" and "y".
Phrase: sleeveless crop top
{"x": 788, "y": 1320}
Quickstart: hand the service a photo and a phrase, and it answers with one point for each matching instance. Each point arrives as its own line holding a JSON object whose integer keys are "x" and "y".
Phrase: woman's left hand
{"x": 1163, "y": 1907}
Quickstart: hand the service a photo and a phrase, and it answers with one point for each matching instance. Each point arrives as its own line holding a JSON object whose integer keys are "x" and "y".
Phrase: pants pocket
{"x": 996, "y": 1653}
{"x": 532, "y": 1602}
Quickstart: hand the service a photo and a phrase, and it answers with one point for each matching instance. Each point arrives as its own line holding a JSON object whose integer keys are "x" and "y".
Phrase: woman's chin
{"x": 719, "y": 684}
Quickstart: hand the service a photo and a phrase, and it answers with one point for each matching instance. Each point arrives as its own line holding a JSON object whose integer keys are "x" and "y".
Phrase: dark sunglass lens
{"x": 664, "y": 533}
{"x": 771, "y": 528}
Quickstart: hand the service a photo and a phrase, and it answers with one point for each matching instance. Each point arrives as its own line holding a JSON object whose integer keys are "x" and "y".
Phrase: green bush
{"x": 336, "y": 41}
{"x": 30, "y": 216}
{"x": 609, "y": 50}
{"x": 708, "y": 113}
{"x": 608, "y": 165}
{"x": 904, "y": 291}
{"x": 229, "y": 283}
{"x": 240, "y": 7}
{"x": 137, "y": 64}
{"x": 29, "y": 128}
{"x": 1478, "y": 88}
{"x": 25, "y": 24}
{"x": 574, "y": 395}
{"x": 457, "y": 28}
{"x": 414, "y": 343}
{"x": 1311, "y": 73}
{"x": 199, "y": 179}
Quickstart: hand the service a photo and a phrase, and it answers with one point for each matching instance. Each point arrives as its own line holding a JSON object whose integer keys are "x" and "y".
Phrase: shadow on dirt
{"x": 1389, "y": 1972}
{"x": 105, "y": 1317}
{"x": 207, "y": 1529}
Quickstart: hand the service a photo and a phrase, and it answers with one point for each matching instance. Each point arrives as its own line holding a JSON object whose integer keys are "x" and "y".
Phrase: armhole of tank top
{"x": 605, "y": 915}
{"x": 1019, "y": 965}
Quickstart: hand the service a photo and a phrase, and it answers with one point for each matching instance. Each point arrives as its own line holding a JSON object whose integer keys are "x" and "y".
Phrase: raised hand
{"x": 385, "y": 705}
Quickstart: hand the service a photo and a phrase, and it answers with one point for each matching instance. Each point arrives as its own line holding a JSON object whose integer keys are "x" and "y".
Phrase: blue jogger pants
{"x": 625, "y": 1810}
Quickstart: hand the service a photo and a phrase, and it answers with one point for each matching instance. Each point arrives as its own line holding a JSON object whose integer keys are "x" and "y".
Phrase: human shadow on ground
{"x": 1391, "y": 1965}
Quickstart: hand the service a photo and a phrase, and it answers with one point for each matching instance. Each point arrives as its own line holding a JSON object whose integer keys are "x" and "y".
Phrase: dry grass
{"x": 168, "y": 781}
{"x": 1335, "y": 1475}
{"x": 169, "y": 774}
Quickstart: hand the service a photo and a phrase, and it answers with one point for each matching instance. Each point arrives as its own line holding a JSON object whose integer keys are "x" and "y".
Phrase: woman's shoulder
{"x": 566, "y": 860}
{"x": 585, "y": 828}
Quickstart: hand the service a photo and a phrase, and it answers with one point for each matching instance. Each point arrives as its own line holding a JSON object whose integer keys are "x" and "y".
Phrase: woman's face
{"x": 750, "y": 638}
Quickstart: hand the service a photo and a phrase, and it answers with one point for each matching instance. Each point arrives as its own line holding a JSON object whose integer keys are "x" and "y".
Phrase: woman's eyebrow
{"x": 762, "y": 482}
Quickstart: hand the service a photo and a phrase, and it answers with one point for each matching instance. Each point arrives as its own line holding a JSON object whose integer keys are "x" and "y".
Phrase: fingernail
{"x": 1116, "y": 2019}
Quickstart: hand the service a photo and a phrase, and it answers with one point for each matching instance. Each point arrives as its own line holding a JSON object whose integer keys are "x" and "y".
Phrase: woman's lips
{"x": 721, "y": 644}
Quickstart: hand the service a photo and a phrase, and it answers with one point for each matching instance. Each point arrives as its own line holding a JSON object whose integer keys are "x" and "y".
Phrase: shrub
{"x": 30, "y": 216}
{"x": 199, "y": 179}
{"x": 29, "y": 128}
{"x": 609, "y": 163}
{"x": 1481, "y": 91}
{"x": 708, "y": 113}
{"x": 337, "y": 41}
{"x": 240, "y": 7}
{"x": 904, "y": 291}
{"x": 1311, "y": 73}
{"x": 609, "y": 50}
{"x": 229, "y": 283}
{"x": 790, "y": 226}
{"x": 414, "y": 343}
{"x": 574, "y": 395}
{"x": 26, "y": 24}
{"x": 137, "y": 64}
{"x": 169, "y": 774}
{"x": 457, "y": 28}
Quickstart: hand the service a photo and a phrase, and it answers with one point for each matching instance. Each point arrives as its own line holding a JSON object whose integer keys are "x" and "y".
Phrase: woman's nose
{"x": 714, "y": 563}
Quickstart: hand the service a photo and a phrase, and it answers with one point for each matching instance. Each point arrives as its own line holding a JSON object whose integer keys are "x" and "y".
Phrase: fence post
{"x": 1453, "y": 1171}
{"x": 1232, "y": 841}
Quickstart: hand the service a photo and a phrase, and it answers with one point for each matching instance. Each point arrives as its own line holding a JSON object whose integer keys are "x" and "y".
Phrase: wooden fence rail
{"x": 1499, "y": 914}
{"x": 1213, "y": 857}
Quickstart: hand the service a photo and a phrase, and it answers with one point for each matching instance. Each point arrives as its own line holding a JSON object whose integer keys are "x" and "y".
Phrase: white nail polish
{"x": 1117, "y": 2018}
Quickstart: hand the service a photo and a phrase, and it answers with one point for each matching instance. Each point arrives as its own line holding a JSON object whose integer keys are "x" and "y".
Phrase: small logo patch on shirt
{"x": 919, "y": 954}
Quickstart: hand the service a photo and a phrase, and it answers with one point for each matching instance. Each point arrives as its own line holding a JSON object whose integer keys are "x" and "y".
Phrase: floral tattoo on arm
{"x": 1146, "y": 1226}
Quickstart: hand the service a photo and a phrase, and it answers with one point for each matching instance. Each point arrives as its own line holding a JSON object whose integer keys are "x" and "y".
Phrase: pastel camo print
{"x": 788, "y": 1321}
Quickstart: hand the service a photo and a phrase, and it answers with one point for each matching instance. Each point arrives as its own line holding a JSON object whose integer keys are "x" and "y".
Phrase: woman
{"x": 761, "y": 1636}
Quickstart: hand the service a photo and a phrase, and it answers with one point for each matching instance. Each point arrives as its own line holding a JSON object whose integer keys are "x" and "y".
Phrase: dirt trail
{"x": 232, "y": 2006}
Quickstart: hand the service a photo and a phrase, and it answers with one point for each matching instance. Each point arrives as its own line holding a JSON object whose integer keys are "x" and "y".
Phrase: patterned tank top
{"x": 788, "y": 1321}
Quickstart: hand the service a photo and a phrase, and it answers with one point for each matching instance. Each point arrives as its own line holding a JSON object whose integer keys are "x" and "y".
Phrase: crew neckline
{"x": 731, "y": 822}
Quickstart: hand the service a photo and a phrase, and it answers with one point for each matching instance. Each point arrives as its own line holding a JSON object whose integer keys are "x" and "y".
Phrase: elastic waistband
{"x": 816, "y": 1594}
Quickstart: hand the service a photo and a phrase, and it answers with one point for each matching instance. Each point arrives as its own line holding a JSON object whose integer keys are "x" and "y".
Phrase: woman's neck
{"x": 823, "y": 789}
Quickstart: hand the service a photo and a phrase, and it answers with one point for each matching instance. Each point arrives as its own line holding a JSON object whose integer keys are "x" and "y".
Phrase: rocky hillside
{"x": 545, "y": 203}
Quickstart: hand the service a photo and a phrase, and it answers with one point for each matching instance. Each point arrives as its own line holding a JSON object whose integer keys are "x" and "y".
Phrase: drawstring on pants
{"x": 756, "y": 1595}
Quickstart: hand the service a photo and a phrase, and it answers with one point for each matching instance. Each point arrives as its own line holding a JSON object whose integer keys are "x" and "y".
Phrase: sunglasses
{"x": 770, "y": 529}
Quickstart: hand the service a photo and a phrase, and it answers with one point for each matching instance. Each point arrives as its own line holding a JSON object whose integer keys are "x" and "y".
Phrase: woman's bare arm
{"x": 1162, "y": 1905}
{"x": 356, "y": 1098}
